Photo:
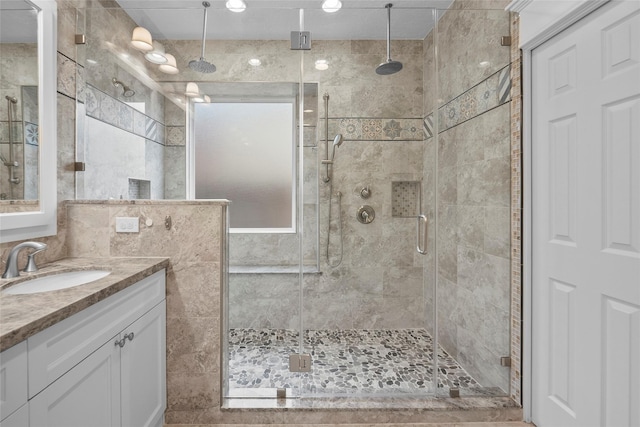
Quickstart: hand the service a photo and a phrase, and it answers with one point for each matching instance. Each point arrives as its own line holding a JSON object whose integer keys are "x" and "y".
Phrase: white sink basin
{"x": 55, "y": 282}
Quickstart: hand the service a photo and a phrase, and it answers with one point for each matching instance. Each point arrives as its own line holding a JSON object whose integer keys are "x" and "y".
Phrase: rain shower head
{"x": 201, "y": 65}
{"x": 389, "y": 66}
{"x": 127, "y": 92}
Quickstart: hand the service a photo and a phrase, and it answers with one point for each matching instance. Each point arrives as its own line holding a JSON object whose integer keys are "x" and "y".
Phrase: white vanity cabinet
{"x": 104, "y": 366}
{"x": 13, "y": 384}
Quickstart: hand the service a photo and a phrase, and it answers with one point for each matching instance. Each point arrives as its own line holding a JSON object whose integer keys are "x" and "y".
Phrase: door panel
{"x": 586, "y": 222}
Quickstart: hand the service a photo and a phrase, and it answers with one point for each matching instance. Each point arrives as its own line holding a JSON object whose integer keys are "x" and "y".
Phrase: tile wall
{"x": 473, "y": 185}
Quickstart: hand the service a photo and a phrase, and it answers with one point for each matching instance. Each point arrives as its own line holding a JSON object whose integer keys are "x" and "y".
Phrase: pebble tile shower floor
{"x": 344, "y": 361}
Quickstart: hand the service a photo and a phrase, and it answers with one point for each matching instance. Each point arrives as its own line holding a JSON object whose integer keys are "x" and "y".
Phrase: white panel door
{"x": 586, "y": 222}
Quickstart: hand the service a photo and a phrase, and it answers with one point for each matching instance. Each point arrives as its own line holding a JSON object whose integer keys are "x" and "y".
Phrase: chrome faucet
{"x": 11, "y": 270}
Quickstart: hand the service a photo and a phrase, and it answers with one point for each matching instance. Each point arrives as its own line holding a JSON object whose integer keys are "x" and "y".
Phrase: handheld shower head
{"x": 337, "y": 142}
{"x": 12, "y": 99}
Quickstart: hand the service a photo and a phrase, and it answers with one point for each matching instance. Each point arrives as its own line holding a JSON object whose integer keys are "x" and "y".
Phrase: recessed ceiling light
{"x": 236, "y": 5}
{"x": 255, "y": 62}
{"x": 331, "y": 6}
{"x": 322, "y": 64}
{"x": 484, "y": 64}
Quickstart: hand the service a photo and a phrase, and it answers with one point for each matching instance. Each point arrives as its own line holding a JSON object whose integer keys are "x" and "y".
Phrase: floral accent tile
{"x": 372, "y": 129}
{"x": 31, "y": 136}
{"x": 392, "y": 129}
{"x": 351, "y": 128}
{"x": 378, "y": 129}
{"x": 488, "y": 94}
{"x": 175, "y": 135}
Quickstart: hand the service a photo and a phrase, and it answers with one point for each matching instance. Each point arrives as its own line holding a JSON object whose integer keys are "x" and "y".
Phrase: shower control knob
{"x": 366, "y": 214}
{"x": 365, "y": 193}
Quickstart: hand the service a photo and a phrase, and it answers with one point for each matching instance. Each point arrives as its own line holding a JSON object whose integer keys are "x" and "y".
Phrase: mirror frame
{"x": 42, "y": 222}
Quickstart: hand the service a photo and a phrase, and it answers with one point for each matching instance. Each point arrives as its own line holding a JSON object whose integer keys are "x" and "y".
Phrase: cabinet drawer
{"x": 59, "y": 348}
{"x": 13, "y": 379}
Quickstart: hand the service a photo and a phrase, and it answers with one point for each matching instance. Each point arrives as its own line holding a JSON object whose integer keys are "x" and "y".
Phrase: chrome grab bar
{"x": 422, "y": 250}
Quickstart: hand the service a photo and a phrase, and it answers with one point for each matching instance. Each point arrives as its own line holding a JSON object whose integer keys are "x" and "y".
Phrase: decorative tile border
{"x": 492, "y": 92}
{"x": 104, "y": 107}
{"x": 374, "y": 129}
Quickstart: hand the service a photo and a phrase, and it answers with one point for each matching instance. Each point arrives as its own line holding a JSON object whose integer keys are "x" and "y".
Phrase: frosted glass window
{"x": 245, "y": 152}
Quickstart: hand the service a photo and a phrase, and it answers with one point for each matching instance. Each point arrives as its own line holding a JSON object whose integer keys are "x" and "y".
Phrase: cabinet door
{"x": 87, "y": 395}
{"x": 143, "y": 370}
{"x": 13, "y": 379}
{"x": 19, "y": 418}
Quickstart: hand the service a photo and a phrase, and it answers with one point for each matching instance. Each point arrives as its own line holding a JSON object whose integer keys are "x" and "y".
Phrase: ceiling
{"x": 18, "y": 22}
{"x": 275, "y": 19}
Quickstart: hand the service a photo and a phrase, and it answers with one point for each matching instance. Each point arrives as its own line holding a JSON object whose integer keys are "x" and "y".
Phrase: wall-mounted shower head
{"x": 11, "y": 99}
{"x": 127, "y": 92}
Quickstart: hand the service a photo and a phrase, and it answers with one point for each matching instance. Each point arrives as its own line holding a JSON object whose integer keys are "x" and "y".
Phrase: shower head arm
{"x": 204, "y": 27}
{"x": 388, "y": 6}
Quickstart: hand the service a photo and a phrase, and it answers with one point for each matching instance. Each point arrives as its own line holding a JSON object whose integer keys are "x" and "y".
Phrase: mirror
{"x": 28, "y": 119}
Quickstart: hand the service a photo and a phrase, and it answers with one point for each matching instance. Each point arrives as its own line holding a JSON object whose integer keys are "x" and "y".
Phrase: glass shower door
{"x": 473, "y": 200}
{"x": 368, "y": 311}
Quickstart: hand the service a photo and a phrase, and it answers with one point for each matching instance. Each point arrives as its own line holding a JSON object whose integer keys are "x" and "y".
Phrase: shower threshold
{"x": 371, "y": 368}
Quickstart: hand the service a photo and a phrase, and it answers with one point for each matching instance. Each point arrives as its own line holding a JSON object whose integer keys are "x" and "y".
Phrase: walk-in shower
{"x": 411, "y": 300}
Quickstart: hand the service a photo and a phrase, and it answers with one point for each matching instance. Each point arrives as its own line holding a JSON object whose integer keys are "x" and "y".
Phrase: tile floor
{"x": 368, "y": 362}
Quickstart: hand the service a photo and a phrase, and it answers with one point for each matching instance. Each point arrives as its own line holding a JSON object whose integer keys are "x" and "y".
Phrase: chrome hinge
{"x": 299, "y": 363}
{"x": 505, "y": 41}
{"x": 300, "y": 40}
{"x": 505, "y": 361}
{"x": 78, "y": 166}
{"x": 81, "y": 39}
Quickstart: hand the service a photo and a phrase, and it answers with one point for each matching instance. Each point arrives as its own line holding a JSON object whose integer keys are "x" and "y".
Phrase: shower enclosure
{"x": 374, "y": 305}
{"x": 392, "y": 278}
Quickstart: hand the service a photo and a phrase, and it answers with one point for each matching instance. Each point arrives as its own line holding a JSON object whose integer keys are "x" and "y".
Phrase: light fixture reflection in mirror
{"x": 141, "y": 39}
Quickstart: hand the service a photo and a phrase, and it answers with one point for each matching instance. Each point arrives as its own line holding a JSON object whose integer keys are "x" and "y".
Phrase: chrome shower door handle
{"x": 422, "y": 249}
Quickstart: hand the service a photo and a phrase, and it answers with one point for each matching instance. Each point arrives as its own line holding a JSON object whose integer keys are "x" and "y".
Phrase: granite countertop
{"x": 22, "y": 316}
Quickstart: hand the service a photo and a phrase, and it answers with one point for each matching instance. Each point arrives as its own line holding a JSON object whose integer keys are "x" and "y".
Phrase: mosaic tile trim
{"x": 487, "y": 95}
{"x": 368, "y": 129}
{"x": 344, "y": 362}
{"x": 104, "y": 107}
{"x": 405, "y": 199}
{"x": 139, "y": 189}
